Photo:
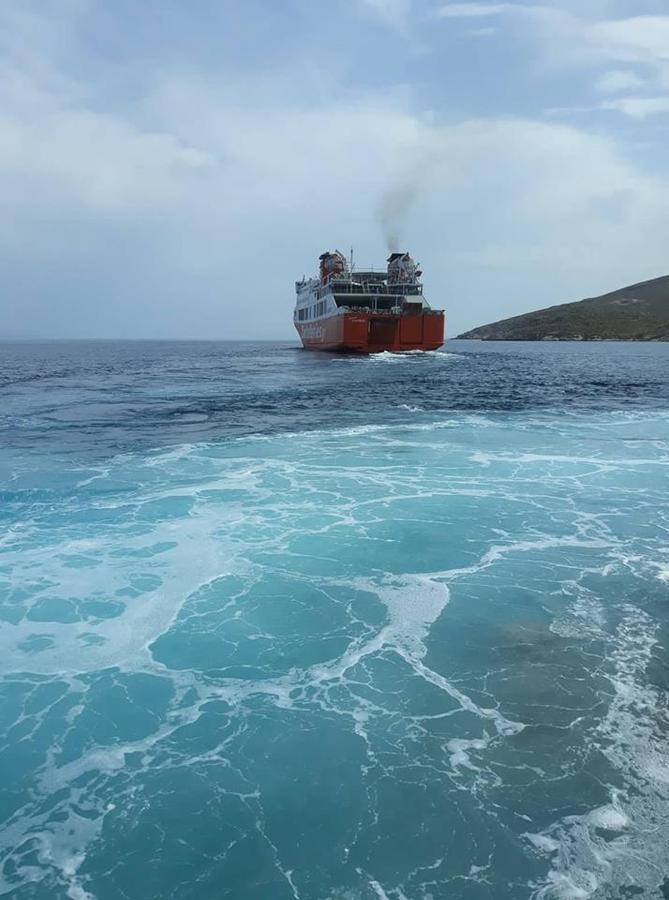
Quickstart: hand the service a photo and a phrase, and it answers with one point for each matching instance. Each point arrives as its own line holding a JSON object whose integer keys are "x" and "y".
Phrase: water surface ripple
{"x": 286, "y": 625}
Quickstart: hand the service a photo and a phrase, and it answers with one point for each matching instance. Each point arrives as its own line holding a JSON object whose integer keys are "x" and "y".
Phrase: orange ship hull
{"x": 374, "y": 332}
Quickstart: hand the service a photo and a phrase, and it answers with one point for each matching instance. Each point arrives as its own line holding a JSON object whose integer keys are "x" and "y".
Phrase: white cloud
{"x": 618, "y": 81}
{"x": 639, "y": 39}
{"x": 98, "y": 161}
{"x": 482, "y": 32}
{"x": 549, "y": 212}
{"x": 564, "y": 36}
{"x": 473, "y": 10}
{"x": 164, "y": 213}
{"x": 639, "y": 107}
{"x": 571, "y": 36}
{"x": 394, "y": 13}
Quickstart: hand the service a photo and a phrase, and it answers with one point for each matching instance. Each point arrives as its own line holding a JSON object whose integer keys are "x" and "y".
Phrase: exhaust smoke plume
{"x": 398, "y": 200}
{"x": 394, "y": 208}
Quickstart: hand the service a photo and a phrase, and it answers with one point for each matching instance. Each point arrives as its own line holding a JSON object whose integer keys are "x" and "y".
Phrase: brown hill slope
{"x": 636, "y": 313}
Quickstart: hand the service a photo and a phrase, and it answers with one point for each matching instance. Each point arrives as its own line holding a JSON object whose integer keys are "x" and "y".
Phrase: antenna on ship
{"x": 351, "y": 262}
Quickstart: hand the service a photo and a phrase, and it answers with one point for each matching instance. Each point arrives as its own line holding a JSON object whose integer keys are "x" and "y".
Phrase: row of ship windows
{"x": 312, "y": 312}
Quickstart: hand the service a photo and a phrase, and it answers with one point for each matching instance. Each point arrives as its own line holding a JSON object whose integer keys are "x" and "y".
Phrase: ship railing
{"x": 392, "y": 303}
{"x": 372, "y": 288}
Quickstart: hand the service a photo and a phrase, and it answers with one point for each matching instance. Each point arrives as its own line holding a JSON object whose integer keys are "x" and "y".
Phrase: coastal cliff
{"x": 636, "y": 313}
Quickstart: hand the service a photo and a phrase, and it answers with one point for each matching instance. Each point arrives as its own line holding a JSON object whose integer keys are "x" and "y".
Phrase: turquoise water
{"x": 285, "y": 625}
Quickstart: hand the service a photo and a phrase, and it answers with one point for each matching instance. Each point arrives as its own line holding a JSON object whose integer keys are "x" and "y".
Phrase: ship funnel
{"x": 332, "y": 265}
{"x": 402, "y": 269}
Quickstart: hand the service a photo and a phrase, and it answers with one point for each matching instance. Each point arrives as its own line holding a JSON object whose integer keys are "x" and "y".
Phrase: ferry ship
{"x": 348, "y": 310}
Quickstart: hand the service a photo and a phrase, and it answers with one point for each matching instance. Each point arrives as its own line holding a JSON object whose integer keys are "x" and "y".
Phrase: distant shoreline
{"x": 638, "y": 313}
{"x": 570, "y": 340}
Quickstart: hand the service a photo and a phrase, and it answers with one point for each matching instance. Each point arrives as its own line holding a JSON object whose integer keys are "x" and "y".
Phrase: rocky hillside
{"x": 636, "y": 313}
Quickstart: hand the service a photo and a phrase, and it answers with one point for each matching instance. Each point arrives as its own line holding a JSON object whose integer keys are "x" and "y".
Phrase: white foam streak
{"x": 624, "y": 841}
{"x": 392, "y": 529}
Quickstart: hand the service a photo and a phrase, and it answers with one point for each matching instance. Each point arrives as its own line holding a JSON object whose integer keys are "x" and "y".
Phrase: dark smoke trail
{"x": 394, "y": 208}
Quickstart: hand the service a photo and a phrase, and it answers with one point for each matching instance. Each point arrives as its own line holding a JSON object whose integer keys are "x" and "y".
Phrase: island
{"x": 639, "y": 312}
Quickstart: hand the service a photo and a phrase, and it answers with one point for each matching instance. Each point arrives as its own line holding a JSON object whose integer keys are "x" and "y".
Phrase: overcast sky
{"x": 168, "y": 168}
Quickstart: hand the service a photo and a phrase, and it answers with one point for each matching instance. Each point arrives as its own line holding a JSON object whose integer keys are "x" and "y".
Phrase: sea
{"x": 280, "y": 625}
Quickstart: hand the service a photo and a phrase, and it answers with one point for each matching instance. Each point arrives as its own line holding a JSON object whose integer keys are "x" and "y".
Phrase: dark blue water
{"x": 288, "y": 625}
